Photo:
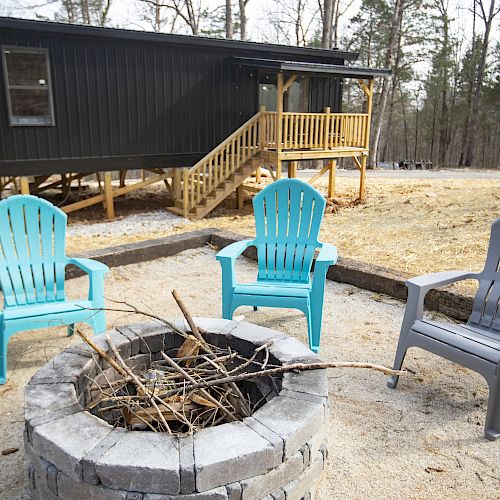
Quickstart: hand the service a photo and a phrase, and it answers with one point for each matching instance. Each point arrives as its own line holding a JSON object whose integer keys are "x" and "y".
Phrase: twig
{"x": 206, "y": 394}
{"x": 288, "y": 368}
{"x": 238, "y": 401}
{"x": 138, "y": 383}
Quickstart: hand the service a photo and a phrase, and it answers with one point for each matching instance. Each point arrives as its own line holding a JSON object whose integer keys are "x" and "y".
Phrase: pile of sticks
{"x": 201, "y": 386}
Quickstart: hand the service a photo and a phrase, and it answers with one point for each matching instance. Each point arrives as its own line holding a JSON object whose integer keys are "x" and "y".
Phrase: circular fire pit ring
{"x": 276, "y": 453}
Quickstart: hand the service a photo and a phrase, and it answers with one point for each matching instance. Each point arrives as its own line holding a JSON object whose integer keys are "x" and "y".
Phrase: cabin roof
{"x": 317, "y": 69}
{"x": 182, "y": 40}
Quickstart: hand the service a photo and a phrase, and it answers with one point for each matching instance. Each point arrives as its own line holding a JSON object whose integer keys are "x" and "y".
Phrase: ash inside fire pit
{"x": 277, "y": 452}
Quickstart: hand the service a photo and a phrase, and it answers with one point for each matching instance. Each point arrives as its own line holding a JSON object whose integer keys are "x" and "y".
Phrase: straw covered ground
{"x": 422, "y": 440}
{"x": 412, "y": 225}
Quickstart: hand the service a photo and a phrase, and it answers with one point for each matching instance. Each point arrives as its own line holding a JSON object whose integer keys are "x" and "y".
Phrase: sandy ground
{"x": 422, "y": 440}
{"x": 413, "y": 222}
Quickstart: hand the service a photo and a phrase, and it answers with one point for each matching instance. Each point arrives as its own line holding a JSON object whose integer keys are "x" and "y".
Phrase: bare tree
{"x": 160, "y": 18}
{"x": 487, "y": 18}
{"x": 394, "y": 34}
{"x": 293, "y": 22}
{"x": 229, "y": 20}
{"x": 93, "y": 12}
{"x": 243, "y": 19}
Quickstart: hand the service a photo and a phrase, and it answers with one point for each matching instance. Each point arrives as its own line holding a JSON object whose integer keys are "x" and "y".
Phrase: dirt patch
{"x": 424, "y": 439}
{"x": 414, "y": 226}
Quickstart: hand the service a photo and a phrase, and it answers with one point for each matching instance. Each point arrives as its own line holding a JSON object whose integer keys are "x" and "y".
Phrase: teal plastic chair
{"x": 32, "y": 272}
{"x": 288, "y": 215}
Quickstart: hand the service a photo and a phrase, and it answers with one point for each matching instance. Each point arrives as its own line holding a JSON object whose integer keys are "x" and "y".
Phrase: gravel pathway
{"x": 147, "y": 222}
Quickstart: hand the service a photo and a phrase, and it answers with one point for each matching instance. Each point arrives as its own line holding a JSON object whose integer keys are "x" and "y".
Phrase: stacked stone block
{"x": 277, "y": 453}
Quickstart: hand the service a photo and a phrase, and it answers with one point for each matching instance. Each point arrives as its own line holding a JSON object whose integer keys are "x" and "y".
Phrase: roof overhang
{"x": 307, "y": 68}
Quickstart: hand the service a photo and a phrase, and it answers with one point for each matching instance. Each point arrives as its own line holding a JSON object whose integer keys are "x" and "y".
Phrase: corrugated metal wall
{"x": 133, "y": 99}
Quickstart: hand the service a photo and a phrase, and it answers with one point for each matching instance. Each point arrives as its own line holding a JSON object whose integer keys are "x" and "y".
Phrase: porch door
{"x": 296, "y": 99}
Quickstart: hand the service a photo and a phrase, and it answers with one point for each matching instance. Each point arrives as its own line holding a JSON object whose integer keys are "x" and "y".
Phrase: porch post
{"x": 108, "y": 192}
{"x": 25, "y": 185}
{"x": 369, "y": 104}
{"x": 279, "y": 125}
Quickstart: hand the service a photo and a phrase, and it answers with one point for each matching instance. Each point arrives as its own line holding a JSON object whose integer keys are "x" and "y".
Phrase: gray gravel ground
{"x": 156, "y": 220}
{"x": 423, "y": 440}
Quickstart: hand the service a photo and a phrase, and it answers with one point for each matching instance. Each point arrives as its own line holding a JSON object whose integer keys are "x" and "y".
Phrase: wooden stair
{"x": 222, "y": 171}
{"x": 221, "y": 192}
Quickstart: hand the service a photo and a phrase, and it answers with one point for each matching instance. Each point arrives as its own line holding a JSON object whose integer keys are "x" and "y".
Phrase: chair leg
{"x": 3, "y": 357}
{"x": 398, "y": 362}
{"x": 98, "y": 322}
{"x": 492, "y": 424}
{"x": 310, "y": 332}
{"x": 227, "y": 312}
{"x": 71, "y": 329}
{"x": 316, "y": 319}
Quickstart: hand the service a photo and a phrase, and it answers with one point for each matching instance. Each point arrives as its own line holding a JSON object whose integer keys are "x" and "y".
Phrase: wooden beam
{"x": 289, "y": 82}
{"x": 108, "y": 192}
{"x": 366, "y": 89}
{"x": 356, "y": 162}
{"x": 251, "y": 189}
{"x": 315, "y": 177}
{"x": 362, "y": 176}
{"x": 177, "y": 184}
{"x": 279, "y": 124}
{"x": 331, "y": 178}
{"x": 240, "y": 199}
{"x": 25, "y": 185}
{"x": 292, "y": 170}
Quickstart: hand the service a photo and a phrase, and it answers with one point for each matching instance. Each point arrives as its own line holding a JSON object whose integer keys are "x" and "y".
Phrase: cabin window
{"x": 28, "y": 86}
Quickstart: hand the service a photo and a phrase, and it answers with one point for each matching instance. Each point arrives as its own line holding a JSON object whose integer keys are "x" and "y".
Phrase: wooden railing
{"x": 318, "y": 130}
{"x": 222, "y": 162}
{"x": 298, "y": 131}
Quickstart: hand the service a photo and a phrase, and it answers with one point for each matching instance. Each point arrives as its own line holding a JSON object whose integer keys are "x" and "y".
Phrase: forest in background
{"x": 442, "y": 100}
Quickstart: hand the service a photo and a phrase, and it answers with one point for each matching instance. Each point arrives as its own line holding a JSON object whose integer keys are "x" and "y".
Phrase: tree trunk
{"x": 474, "y": 119}
{"x": 229, "y": 19}
{"x": 243, "y": 20}
{"x": 387, "y": 82}
{"x": 326, "y": 39}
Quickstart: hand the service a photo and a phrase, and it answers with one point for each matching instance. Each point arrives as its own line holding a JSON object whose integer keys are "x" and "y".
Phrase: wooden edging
{"x": 366, "y": 276}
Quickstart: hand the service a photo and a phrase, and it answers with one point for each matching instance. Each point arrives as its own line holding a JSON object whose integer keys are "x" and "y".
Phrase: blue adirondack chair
{"x": 288, "y": 215}
{"x": 32, "y": 266}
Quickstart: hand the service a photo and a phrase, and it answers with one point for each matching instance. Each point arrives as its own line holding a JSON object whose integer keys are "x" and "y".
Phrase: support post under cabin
{"x": 25, "y": 185}
{"x": 108, "y": 192}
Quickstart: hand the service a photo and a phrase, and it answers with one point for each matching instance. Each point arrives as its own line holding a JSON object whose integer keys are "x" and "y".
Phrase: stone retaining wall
{"x": 367, "y": 276}
{"x": 277, "y": 453}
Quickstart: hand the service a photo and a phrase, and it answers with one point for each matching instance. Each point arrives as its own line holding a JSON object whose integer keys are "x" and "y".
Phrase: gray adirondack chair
{"x": 476, "y": 344}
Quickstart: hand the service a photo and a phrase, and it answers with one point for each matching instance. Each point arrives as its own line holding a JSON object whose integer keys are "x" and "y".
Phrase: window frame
{"x": 27, "y": 50}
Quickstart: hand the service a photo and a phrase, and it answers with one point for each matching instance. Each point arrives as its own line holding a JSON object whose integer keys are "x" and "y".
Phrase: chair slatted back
{"x": 32, "y": 251}
{"x": 288, "y": 215}
{"x": 486, "y": 307}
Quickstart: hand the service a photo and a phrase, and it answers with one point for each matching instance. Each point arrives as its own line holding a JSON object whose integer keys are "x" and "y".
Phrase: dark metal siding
{"x": 142, "y": 103}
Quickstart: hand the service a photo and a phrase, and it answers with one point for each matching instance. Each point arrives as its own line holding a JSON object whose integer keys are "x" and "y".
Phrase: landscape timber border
{"x": 349, "y": 271}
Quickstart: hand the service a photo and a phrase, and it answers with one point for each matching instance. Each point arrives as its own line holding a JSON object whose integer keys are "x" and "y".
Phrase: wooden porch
{"x": 268, "y": 139}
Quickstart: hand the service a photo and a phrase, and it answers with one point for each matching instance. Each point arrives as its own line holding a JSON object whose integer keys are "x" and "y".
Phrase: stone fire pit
{"x": 276, "y": 453}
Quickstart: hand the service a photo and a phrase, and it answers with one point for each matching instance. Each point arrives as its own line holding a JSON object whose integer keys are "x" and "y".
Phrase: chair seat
{"x": 43, "y": 309}
{"x": 274, "y": 289}
{"x": 483, "y": 344}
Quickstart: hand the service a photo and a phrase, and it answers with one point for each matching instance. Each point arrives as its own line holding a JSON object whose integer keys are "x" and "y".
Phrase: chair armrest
{"x": 88, "y": 265}
{"x": 96, "y": 271}
{"x": 420, "y": 285}
{"x": 436, "y": 280}
{"x": 234, "y": 250}
{"x": 327, "y": 255}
